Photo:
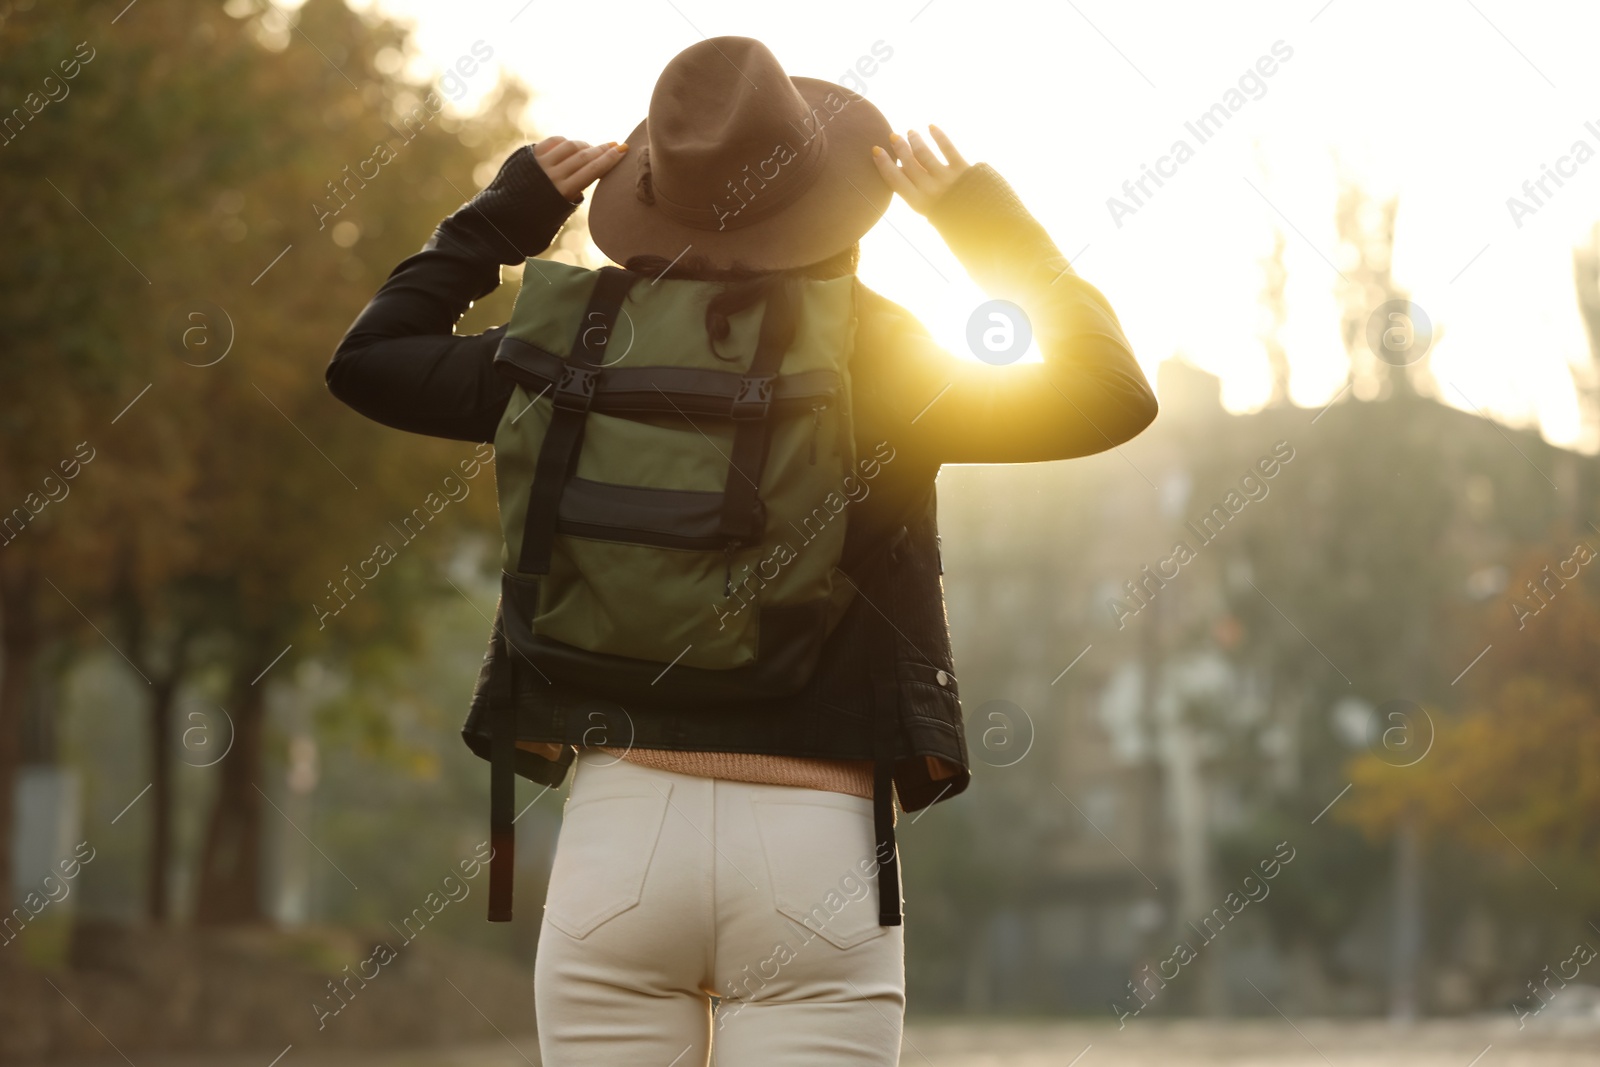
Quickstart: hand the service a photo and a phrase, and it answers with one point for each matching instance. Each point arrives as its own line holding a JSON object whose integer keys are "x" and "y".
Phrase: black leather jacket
{"x": 886, "y": 676}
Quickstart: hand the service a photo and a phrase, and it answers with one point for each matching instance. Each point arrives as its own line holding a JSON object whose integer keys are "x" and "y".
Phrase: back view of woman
{"x": 743, "y": 849}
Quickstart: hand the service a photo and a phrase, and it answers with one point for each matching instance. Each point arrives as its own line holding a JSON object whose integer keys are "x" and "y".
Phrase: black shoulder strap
{"x": 741, "y": 521}
{"x": 573, "y": 394}
{"x": 886, "y": 724}
{"x": 502, "y": 777}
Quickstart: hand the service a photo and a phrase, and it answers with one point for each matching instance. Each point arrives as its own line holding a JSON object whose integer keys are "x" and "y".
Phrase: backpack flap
{"x": 694, "y": 539}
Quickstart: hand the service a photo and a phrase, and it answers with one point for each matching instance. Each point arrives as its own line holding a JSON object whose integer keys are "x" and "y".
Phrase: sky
{"x": 1451, "y": 105}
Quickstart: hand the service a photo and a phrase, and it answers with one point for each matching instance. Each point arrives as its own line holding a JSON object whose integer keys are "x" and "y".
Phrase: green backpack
{"x": 673, "y": 521}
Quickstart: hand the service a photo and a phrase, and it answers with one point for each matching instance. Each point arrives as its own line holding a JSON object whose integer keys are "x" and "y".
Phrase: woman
{"x": 729, "y": 852}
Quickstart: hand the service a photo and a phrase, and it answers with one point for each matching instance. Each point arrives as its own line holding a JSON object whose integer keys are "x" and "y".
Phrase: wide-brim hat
{"x": 739, "y": 162}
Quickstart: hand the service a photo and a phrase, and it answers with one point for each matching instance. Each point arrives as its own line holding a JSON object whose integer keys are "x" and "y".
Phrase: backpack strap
{"x": 502, "y": 782}
{"x": 886, "y": 716}
{"x": 573, "y": 395}
{"x": 741, "y": 519}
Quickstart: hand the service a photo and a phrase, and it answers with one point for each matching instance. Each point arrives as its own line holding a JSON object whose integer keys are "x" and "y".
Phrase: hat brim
{"x": 845, "y": 200}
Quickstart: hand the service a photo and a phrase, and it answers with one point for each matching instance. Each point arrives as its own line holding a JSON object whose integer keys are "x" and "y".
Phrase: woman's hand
{"x": 573, "y": 166}
{"x": 921, "y": 177}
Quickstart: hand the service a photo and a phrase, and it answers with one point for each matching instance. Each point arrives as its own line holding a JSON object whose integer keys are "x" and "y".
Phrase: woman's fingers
{"x": 920, "y": 177}
{"x": 557, "y": 155}
{"x": 558, "y": 147}
{"x": 582, "y": 159}
{"x": 566, "y": 159}
{"x": 591, "y": 165}
{"x": 893, "y": 176}
{"x": 909, "y": 164}
{"x": 924, "y": 154}
{"x": 570, "y": 162}
{"x": 957, "y": 162}
{"x": 573, "y": 165}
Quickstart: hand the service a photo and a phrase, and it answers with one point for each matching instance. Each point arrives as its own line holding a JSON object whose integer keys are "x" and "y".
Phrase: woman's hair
{"x": 742, "y": 287}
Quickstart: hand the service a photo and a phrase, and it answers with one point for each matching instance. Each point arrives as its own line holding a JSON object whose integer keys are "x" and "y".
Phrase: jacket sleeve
{"x": 1087, "y": 396}
{"x": 401, "y": 362}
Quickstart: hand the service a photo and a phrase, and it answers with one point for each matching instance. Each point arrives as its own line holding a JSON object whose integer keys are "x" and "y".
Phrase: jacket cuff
{"x": 981, "y": 209}
{"x": 515, "y": 216}
{"x": 536, "y": 768}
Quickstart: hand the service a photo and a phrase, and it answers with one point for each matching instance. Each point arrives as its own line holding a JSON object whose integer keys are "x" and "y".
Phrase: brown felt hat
{"x": 737, "y": 161}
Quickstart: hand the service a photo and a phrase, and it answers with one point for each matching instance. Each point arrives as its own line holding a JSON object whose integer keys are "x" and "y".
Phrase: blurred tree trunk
{"x": 229, "y": 891}
{"x": 158, "y": 905}
{"x": 1366, "y": 228}
{"x": 19, "y": 646}
{"x": 978, "y": 982}
{"x": 1586, "y": 278}
{"x": 1275, "y": 303}
{"x": 1186, "y": 793}
{"x": 164, "y": 668}
{"x": 1406, "y": 941}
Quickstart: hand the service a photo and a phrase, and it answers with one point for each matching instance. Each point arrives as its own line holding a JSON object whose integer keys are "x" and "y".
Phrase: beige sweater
{"x": 834, "y": 775}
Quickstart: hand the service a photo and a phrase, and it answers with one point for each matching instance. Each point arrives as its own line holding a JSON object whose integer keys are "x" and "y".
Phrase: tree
{"x": 1586, "y": 378}
{"x": 1366, "y": 236}
{"x": 1275, "y": 308}
{"x": 1518, "y": 764}
{"x": 77, "y": 463}
{"x": 263, "y": 178}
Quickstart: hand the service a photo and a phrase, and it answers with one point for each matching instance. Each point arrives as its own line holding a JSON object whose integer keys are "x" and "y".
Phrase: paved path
{"x": 1254, "y": 1043}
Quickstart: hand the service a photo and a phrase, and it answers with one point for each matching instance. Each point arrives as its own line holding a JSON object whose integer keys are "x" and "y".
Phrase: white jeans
{"x": 670, "y": 887}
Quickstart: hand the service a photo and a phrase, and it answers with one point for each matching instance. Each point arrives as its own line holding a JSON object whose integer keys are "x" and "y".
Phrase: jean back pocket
{"x": 603, "y": 854}
{"x": 821, "y": 864}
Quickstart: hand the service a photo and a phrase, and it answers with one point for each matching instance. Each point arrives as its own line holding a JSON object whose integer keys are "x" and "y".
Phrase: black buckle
{"x": 575, "y": 390}
{"x": 753, "y": 399}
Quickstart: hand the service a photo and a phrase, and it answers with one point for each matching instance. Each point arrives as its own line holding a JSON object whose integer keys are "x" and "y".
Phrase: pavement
{"x": 1492, "y": 1042}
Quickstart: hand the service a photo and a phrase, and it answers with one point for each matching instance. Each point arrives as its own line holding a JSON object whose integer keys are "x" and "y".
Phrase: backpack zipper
{"x": 816, "y": 425}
